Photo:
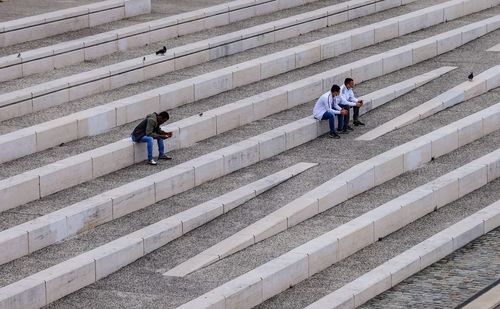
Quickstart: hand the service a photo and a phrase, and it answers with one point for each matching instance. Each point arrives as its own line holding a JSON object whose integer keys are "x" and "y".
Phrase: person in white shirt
{"x": 352, "y": 101}
{"x": 327, "y": 107}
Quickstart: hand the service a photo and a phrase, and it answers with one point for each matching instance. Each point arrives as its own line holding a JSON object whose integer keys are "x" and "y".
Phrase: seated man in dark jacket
{"x": 149, "y": 130}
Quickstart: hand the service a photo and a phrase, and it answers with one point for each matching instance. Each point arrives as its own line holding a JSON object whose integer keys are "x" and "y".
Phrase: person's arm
{"x": 161, "y": 132}
{"x": 353, "y": 99}
{"x": 334, "y": 111}
{"x": 343, "y": 101}
{"x": 348, "y": 95}
{"x": 336, "y": 108}
{"x": 150, "y": 129}
{"x": 349, "y": 101}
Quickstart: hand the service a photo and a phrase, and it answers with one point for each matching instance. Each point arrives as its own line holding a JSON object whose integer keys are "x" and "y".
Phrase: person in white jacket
{"x": 352, "y": 101}
{"x": 327, "y": 107}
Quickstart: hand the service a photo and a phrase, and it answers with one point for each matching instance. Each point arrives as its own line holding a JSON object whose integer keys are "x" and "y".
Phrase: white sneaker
{"x": 152, "y": 162}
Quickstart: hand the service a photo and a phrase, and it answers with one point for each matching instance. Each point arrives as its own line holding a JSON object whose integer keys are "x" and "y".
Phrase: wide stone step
{"x": 133, "y": 108}
{"x": 71, "y": 52}
{"x": 392, "y": 272}
{"x": 495, "y": 48}
{"x": 483, "y": 82}
{"x": 352, "y": 182}
{"x": 489, "y": 298}
{"x": 103, "y": 160}
{"x": 260, "y": 284}
{"x": 74, "y": 274}
{"x": 56, "y": 22}
{"x": 120, "y": 201}
{"x": 63, "y": 90}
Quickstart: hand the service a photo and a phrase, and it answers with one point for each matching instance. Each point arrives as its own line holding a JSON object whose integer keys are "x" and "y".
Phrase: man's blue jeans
{"x": 149, "y": 140}
{"x": 331, "y": 121}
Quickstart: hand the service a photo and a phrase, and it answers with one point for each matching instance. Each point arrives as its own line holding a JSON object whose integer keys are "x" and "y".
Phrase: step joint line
{"x": 190, "y": 53}
{"x": 58, "y": 20}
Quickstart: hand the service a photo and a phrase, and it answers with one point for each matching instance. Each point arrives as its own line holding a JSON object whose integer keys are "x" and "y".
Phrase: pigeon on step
{"x": 162, "y": 51}
{"x": 471, "y": 76}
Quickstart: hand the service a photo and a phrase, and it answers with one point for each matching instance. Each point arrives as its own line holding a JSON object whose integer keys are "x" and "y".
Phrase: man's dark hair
{"x": 164, "y": 115}
{"x": 335, "y": 88}
{"x": 348, "y": 80}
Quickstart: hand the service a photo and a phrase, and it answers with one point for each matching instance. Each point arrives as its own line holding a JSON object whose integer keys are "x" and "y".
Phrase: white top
{"x": 348, "y": 95}
{"x": 328, "y": 103}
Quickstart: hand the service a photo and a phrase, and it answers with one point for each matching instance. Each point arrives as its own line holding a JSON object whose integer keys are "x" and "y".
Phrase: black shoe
{"x": 358, "y": 123}
{"x": 344, "y": 131}
{"x": 164, "y": 157}
{"x": 349, "y": 128}
{"x": 333, "y": 135}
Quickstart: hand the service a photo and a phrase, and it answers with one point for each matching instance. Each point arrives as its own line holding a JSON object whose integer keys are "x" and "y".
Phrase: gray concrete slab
{"x": 406, "y": 102}
{"x": 141, "y": 285}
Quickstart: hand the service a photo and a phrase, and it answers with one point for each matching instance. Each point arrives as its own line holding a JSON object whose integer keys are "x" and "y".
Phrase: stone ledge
{"x": 410, "y": 262}
{"x": 57, "y": 22}
{"x": 360, "y": 232}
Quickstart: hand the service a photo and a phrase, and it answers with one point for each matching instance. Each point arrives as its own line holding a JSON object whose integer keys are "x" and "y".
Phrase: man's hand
{"x": 344, "y": 112}
{"x": 166, "y": 135}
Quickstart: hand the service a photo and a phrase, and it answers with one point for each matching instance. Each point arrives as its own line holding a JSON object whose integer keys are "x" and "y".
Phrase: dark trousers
{"x": 331, "y": 121}
{"x": 345, "y": 118}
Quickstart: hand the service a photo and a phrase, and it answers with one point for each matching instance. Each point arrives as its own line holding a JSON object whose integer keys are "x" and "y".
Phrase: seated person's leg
{"x": 355, "y": 113}
{"x": 161, "y": 150}
{"x": 161, "y": 147}
{"x": 341, "y": 122}
{"x": 356, "y": 117}
{"x": 149, "y": 141}
{"x": 347, "y": 117}
{"x": 331, "y": 121}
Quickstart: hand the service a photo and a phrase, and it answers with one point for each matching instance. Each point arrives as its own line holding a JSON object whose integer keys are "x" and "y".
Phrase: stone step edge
{"x": 132, "y": 108}
{"x": 54, "y": 92}
{"x": 155, "y": 31}
{"x": 89, "y": 213}
{"x": 413, "y": 260}
{"x": 133, "y": 37}
{"x": 488, "y": 298}
{"x": 44, "y": 25}
{"x": 261, "y": 105}
{"x": 482, "y": 83}
{"x": 352, "y": 182}
{"x": 211, "y": 255}
{"x": 98, "y": 211}
{"x": 73, "y": 274}
{"x": 222, "y": 162}
{"x": 300, "y": 263}
{"x": 135, "y": 107}
{"x": 495, "y": 48}
{"x": 24, "y": 101}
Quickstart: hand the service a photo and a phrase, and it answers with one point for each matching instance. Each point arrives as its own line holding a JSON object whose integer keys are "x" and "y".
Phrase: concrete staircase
{"x": 235, "y": 221}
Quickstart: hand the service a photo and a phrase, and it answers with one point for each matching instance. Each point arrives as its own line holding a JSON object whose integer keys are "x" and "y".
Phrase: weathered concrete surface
{"x": 141, "y": 285}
